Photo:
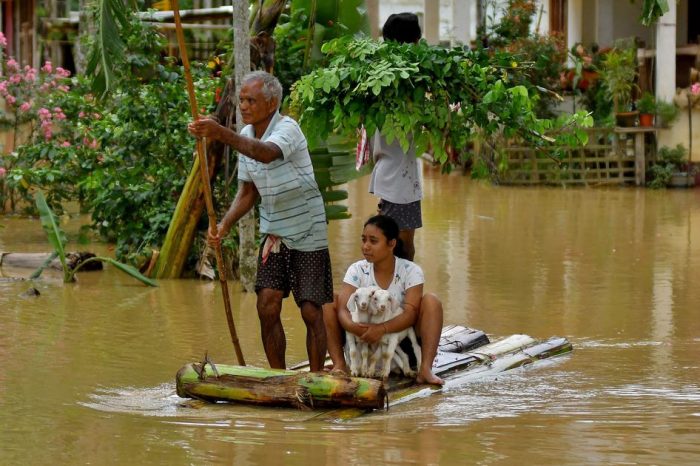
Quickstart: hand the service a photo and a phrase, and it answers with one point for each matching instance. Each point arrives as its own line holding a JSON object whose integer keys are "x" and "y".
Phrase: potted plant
{"x": 666, "y": 113}
{"x": 618, "y": 75}
{"x": 646, "y": 105}
{"x": 671, "y": 169}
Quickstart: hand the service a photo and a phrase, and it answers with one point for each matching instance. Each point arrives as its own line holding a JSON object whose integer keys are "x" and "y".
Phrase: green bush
{"x": 126, "y": 157}
{"x": 668, "y": 161}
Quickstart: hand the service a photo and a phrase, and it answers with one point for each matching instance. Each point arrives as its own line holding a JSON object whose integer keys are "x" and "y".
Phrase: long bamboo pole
{"x": 204, "y": 172}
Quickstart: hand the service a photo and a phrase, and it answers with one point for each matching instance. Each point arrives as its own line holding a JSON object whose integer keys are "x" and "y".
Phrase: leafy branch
{"x": 427, "y": 96}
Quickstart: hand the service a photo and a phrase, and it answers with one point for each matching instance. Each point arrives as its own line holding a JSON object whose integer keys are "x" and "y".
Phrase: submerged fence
{"x": 612, "y": 156}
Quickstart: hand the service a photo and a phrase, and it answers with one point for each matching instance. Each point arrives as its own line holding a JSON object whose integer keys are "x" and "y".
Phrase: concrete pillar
{"x": 574, "y": 25}
{"x": 461, "y": 22}
{"x": 431, "y": 21}
{"x": 666, "y": 54}
{"x": 605, "y": 23}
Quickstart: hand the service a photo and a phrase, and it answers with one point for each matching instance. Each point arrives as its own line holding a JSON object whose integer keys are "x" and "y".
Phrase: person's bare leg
{"x": 269, "y": 306}
{"x": 312, "y": 314}
{"x": 334, "y": 335}
{"x": 429, "y": 327}
{"x": 408, "y": 245}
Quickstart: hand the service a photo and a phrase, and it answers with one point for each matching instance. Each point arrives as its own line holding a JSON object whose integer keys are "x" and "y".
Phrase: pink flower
{"x": 12, "y": 65}
{"x": 91, "y": 143}
{"x": 65, "y": 144}
{"x": 44, "y": 114}
{"x": 81, "y": 115}
{"x": 10, "y": 99}
{"x": 15, "y": 79}
{"x": 47, "y": 68}
{"x": 3, "y": 40}
{"x": 63, "y": 73}
{"x": 25, "y": 106}
{"x": 2, "y": 169}
{"x": 695, "y": 89}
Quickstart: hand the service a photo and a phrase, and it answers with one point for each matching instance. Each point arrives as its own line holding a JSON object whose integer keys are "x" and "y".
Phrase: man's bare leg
{"x": 269, "y": 306}
{"x": 334, "y": 335}
{"x": 312, "y": 314}
{"x": 429, "y": 327}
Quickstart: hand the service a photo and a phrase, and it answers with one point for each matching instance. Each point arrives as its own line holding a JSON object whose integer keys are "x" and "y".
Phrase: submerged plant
{"x": 57, "y": 239}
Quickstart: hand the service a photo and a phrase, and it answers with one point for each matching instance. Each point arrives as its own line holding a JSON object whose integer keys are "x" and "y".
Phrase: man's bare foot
{"x": 429, "y": 378}
{"x": 340, "y": 369}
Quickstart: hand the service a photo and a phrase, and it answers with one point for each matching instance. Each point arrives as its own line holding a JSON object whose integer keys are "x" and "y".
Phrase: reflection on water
{"x": 87, "y": 369}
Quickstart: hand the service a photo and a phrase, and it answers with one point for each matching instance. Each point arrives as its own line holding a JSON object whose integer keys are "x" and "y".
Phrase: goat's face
{"x": 382, "y": 302}
{"x": 363, "y": 297}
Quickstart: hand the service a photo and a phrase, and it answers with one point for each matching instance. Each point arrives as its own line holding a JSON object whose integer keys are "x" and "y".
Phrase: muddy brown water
{"x": 87, "y": 370}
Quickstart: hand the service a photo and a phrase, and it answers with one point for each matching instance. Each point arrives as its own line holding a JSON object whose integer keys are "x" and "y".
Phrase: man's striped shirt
{"x": 291, "y": 206}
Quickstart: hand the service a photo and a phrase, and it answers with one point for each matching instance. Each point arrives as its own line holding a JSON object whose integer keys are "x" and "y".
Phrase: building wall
{"x": 680, "y": 133}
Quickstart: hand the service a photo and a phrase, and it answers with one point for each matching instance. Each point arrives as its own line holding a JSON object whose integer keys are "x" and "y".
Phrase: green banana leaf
{"x": 337, "y": 212}
{"x": 123, "y": 267}
{"x": 57, "y": 238}
{"x": 37, "y": 273}
{"x": 108, "y": 47}
{"x": 334, "y": 196}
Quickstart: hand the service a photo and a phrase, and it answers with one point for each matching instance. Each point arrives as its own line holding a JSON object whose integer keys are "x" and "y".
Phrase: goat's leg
{"x": 415, "y": 345}
{"x": 353, "y": 354}
{"x": 388, "y": 353}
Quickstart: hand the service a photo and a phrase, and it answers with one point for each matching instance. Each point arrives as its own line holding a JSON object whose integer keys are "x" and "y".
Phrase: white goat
{"x": 383, "y": 308}
{"x": 358, "y": 351}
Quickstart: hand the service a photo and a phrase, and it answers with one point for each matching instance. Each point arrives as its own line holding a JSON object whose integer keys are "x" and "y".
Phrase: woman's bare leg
{"x": 334, "y": 335}
{"x": 429, "y": 327}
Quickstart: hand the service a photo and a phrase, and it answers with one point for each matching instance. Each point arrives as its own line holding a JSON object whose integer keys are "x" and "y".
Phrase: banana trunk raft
{"x": 464, "y": 354}
{"x": 278, "y": 387}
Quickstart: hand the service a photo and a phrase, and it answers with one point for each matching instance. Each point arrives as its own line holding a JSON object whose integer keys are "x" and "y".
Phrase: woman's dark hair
{"x": 402, "y": 27}
{"x": 391, "y": 230}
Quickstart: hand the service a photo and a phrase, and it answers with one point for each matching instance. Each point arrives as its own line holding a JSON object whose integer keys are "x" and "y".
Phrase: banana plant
{"x": 57, "y": 239}
{"x": 108, "y": 48}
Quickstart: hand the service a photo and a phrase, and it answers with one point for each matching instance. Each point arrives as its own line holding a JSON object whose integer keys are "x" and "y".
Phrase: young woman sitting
{"x": 384, "y": 267}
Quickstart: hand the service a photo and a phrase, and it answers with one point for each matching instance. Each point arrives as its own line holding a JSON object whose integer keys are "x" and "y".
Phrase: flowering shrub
{"x": 537, "y": 60}
{"x": 124, "y": 158}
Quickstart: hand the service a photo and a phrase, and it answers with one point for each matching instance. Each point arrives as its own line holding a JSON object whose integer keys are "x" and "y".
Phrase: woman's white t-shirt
{"x": 407, "y": 274}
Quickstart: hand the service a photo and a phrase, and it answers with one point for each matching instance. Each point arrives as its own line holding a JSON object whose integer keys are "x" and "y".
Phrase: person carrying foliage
{"x": 275, "y": 167}
{"x": 396, "y": 177}
{"x": 386, "y": 267}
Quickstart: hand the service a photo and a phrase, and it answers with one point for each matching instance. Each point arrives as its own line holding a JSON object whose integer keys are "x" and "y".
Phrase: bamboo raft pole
{"x": 206, "y": 187}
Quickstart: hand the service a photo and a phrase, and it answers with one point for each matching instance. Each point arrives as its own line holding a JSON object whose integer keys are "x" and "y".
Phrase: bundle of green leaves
{"x": 432, "y": 97}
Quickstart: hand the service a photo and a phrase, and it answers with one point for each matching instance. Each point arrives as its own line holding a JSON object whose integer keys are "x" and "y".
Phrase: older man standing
{"x": 275, "y": 167}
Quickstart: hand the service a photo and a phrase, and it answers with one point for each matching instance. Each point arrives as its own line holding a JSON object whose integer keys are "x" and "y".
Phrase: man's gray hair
{"x": 271, "y": 87}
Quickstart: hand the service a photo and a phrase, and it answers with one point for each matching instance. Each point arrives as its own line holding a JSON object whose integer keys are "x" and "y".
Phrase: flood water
{"x": 87, "y": 369}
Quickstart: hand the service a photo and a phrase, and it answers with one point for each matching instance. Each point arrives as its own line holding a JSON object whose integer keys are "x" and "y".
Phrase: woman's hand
{"x": 373, "y": 333}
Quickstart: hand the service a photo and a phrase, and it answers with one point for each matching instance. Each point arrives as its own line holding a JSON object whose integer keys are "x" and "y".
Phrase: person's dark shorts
{"x": 307, "y": 274}
{"x": 407, "y": 216}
